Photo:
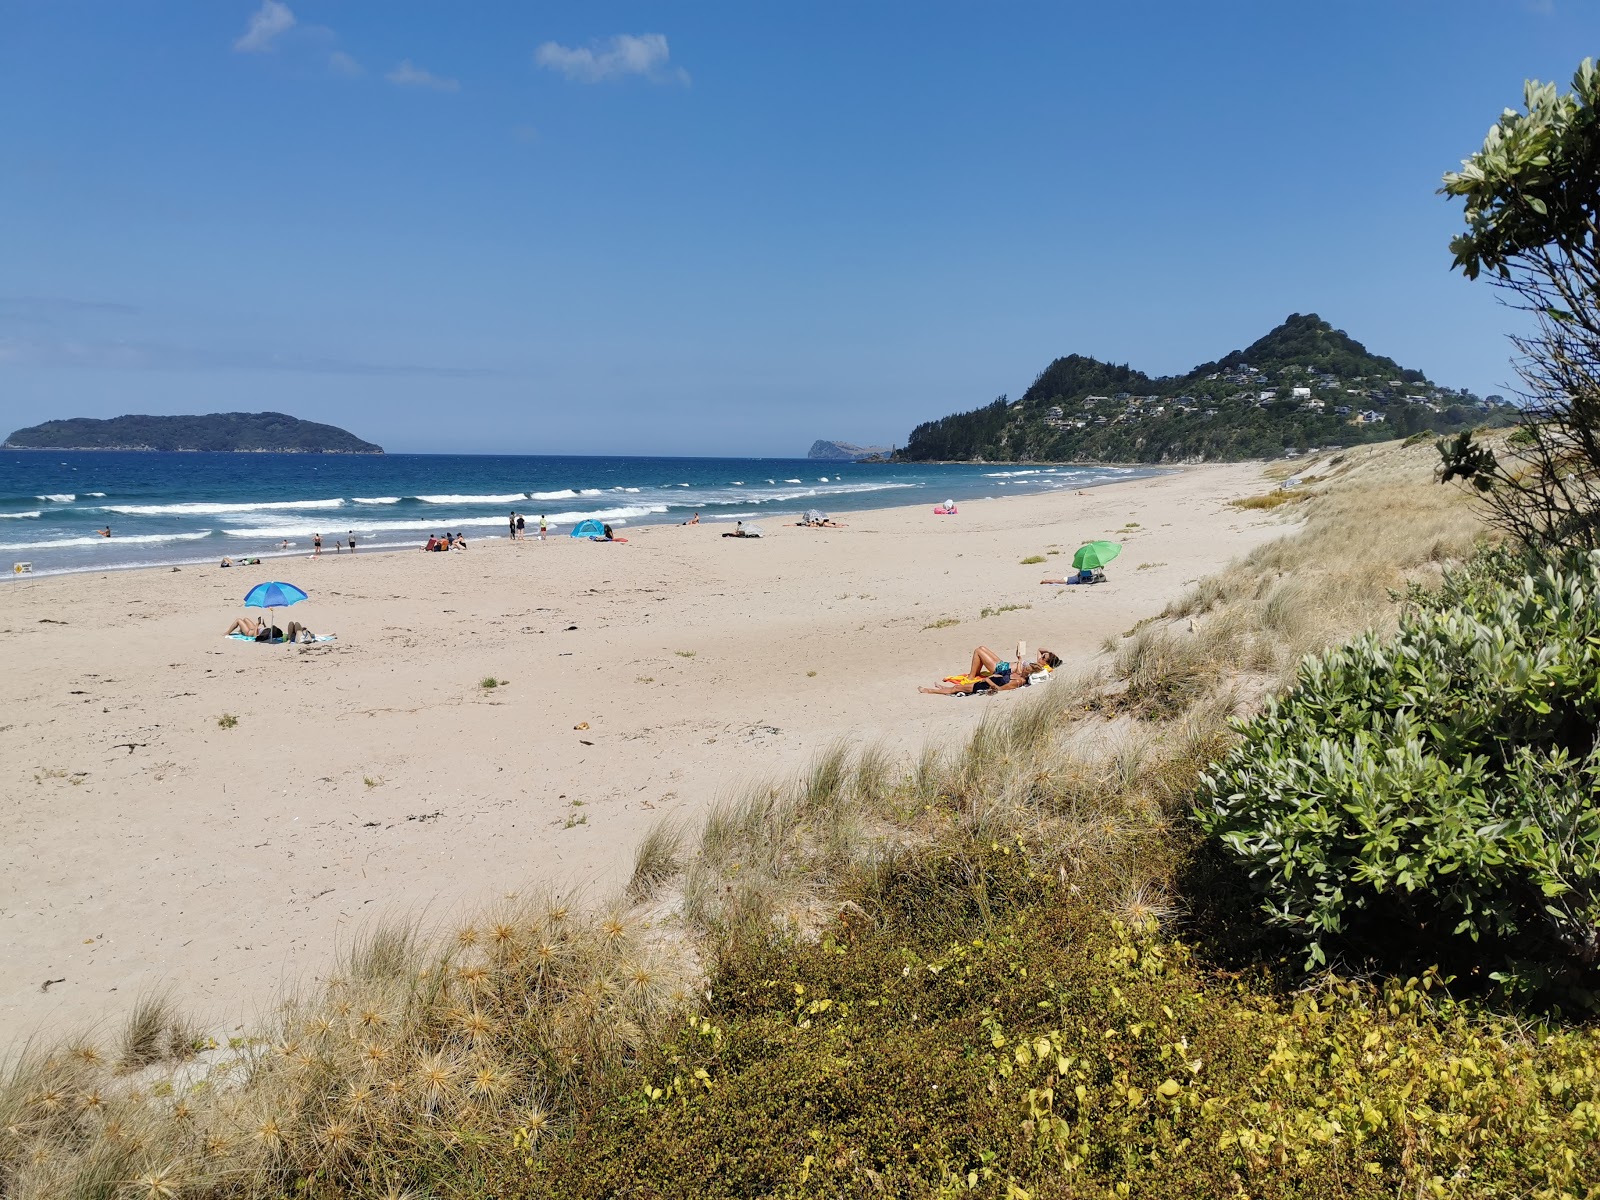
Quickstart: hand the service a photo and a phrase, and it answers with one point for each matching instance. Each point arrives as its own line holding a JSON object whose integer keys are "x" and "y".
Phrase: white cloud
{"x": 643, "y": 54}
{"x": 341, "y": 63}
{"x": 406, "y": 75}
{"x": 266, "y": 24}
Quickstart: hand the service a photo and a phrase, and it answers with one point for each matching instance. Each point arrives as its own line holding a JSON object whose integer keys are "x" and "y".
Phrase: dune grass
{"x": 888, "y": 975}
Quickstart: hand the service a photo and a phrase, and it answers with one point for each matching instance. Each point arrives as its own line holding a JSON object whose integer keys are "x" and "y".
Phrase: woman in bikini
{"x": 988, "y": 672}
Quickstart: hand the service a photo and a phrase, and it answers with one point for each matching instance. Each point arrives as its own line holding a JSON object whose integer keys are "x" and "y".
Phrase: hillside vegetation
{"x": 1010, "y": 968}
{"x": 257, "y": 432}
{"x": 1302, "y": 386}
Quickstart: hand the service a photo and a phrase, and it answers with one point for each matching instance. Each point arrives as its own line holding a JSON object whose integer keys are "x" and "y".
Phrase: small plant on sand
{"x": 644, "y": 678}
{"x": 575, "y": 820}
{"x": 227, "y": 720}
{"x": 811, "y": 674}
{"x": 1031, "y": 559}
{"x": 1004, "y": 608}
{"x": 489, "y": 682}
{"x": 1149, "y": 566}
{"x": 370, "y": 781}
{"x": 1271, "y": 499}
{"x": 685, "y": 653}
{"x": 943, "y": 623}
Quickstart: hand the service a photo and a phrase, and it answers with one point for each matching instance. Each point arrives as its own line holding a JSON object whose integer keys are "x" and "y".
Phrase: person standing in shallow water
{"x": 521, "y": 528}
{"x": 541, "y": 527}
{"x": 316, "y": 545}
{"x": 511, "y": 522}
{"x": 352, "y": 536}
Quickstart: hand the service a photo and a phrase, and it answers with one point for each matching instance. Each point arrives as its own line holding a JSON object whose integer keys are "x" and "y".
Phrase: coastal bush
{"x": 968, "y": 1025}
{"x": 1528, "y": 197}
{"x": 1438, "y": 787}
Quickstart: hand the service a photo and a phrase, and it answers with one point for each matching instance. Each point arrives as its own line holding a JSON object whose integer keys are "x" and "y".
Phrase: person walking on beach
{"x": 541, "y": 527}
{"x": 316, "y": 545}
{"x": 351, "y": 533}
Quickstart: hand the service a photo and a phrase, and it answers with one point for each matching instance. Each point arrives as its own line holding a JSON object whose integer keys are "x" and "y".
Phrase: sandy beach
{"x": 144, "y": 845}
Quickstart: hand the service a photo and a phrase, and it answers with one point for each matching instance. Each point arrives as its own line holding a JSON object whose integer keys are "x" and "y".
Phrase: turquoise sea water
{"x": 190, "y": 508}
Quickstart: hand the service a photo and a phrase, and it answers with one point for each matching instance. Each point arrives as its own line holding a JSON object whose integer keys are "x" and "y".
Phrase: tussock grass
{"x": 658, "y": 858}
{"x": 426, "y": 1054}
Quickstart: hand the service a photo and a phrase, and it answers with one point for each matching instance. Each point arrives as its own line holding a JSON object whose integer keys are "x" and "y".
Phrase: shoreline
{"x": 146, "y": 841}
{"x": 636, "y": 522}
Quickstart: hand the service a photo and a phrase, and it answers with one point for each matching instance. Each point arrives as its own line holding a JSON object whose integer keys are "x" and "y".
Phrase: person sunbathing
{"x": 996, "y": 681}
{"x": 986, "y": 662}
{"x": 248, "y": 626}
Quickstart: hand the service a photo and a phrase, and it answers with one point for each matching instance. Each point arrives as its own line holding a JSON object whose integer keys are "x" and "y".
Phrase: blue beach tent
{"x": 586, "y": 529}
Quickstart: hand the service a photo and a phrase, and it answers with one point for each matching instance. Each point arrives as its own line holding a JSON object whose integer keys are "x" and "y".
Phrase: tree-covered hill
{"x": 1305, "y": 384}
{"x": 256, "y": 432}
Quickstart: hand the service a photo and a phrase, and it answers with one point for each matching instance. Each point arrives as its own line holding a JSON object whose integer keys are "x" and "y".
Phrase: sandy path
{"x": 142, "y": 844}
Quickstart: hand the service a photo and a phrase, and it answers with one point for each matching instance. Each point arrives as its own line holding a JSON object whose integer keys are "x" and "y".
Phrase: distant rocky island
{"x": 238, "y": 433}
{"x": 845, "y": 451}
{"x": 1303, "y": 386}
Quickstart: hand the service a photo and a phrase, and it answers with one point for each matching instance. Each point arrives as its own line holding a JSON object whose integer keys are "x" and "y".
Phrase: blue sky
{"x": 724, "y": 228}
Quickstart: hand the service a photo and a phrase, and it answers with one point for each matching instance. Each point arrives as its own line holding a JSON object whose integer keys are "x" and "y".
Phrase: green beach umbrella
{"x": 1095, "y": 554}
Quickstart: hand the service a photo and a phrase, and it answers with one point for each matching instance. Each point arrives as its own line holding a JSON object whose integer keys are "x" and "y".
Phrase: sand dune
{"x": 142, "y": 844}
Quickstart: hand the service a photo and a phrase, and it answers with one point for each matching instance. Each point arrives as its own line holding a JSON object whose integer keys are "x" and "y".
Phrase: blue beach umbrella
{"x": 273, "y": 595}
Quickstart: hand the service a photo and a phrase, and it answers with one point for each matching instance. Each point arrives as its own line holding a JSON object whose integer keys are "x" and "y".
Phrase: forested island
{"x": 260, "y": 433}
{"x": 1304, "y": 385}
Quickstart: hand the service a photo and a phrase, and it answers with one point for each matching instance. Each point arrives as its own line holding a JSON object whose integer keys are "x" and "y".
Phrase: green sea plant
{"x": 1436, "y": 787}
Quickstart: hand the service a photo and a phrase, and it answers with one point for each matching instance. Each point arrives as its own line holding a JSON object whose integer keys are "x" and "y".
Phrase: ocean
{"x": 194, "y": 508}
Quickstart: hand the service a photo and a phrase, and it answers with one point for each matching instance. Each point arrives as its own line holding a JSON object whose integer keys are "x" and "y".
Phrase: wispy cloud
{"x": 267, "y": 24}
{"x": 407, "y": 75}
{"x": 341, "y": 63}
{"x": 132, "y": 355}
{"x": 645, "y": 54}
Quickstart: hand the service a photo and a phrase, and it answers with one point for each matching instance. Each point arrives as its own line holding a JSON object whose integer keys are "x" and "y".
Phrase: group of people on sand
{"x": 316, "y": 543}
{"x": 519, "y": 527}
{"x": 259, "y": 629}
{"x": 988, "y": 673}
{"x": 445, "y": 541}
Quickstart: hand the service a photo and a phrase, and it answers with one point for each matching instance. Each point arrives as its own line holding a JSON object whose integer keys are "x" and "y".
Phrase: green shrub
{"x": 1437, "y": 787}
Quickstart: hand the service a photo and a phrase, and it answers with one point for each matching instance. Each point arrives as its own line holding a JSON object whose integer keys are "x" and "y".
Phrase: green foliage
{"x": 1533, "y": 183}
{"x": 1530, "y": 212}
{"x": 215, "y": 432}
{"x": 1436, "y": 787}
{"x": 968, "y": 1025}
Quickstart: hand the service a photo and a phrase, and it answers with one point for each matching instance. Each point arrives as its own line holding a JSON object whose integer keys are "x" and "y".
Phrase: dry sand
{"x": 143, "y": 845}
